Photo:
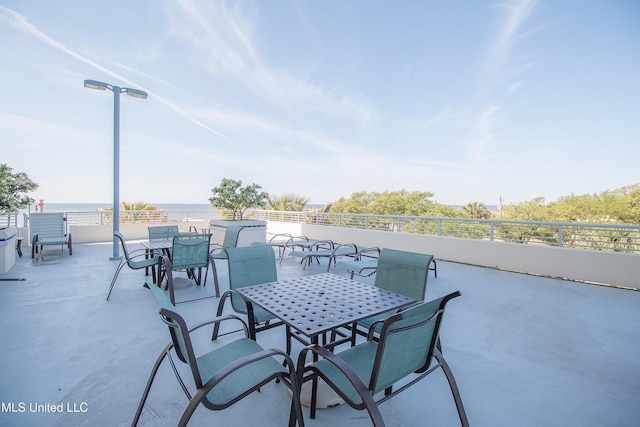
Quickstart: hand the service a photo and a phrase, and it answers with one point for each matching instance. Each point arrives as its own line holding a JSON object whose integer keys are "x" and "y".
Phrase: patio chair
{"x": 224, "y": 375}
{"x": 230, "y": 240}
{"x": 364, "y": 264}
{"x": 365, "y": 375}
{"x": 332, "y": 252}
{"x": 163, "y": 232}
{"x": 249, "y": 265}
{"x": 401, "y": 272}
{"x": 49, "y": 229}
{"x": 135, "y": 260}
{"x": 190, "y": 253}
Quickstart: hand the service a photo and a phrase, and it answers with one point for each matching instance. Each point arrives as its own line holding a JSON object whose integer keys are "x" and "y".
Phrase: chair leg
{"x": 147, "y": 388}
{"x": 296, "y": 407}
{"x": 453, "y": 385}
{"x": 115, "y": 276}
{"x": 214, "y": 273}
{"x": 206, "y": 271}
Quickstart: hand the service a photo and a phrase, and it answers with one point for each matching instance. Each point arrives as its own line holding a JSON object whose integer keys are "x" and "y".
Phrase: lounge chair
{"x": 49, "y": 229}
{"x": 325, "y": 249}
{"x": 364, "y": 264}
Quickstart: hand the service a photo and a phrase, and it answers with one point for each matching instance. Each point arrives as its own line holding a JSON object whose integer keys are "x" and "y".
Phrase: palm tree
{"x": 129, "y": 210}
{"x": 477, "y": 210}
{"x": 288, "y": 202}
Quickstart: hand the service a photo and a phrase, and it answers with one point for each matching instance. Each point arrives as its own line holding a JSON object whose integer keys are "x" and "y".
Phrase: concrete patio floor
{"x": 525, "y": 350}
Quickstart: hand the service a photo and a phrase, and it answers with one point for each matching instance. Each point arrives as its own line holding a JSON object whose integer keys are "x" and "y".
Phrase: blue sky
{"x": 471, "y": 100}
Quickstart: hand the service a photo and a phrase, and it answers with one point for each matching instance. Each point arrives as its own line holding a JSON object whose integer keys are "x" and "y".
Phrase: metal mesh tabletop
{"x": 319, "y": 303}
{"x": 157, "y": 244}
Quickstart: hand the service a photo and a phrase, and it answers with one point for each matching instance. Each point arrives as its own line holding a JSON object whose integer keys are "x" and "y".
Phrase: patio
{"x": 525, "y": 350}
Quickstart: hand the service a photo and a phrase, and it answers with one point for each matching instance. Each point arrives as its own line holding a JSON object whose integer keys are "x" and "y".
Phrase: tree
{"x": 533, "y": 210}
{"x": 13, "y": 190}
{"x": 402, "y": 202}
{"x": 477, "y": 210}
{"x": 288, "y": 202}
{"x": 231, "y": 195}
{"x": 135, "y": 212}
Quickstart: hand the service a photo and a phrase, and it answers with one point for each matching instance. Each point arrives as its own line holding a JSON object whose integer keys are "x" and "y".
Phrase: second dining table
{"x": 311, "y": 306}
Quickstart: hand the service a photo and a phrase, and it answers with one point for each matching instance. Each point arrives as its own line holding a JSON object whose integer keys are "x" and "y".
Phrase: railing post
{"x": 491, "y": 234}
{"x": 439, "y": 227}
{"x": 366, "y": 222}
{"x": 560, "y": 236}
{"x": 399, "y": 224}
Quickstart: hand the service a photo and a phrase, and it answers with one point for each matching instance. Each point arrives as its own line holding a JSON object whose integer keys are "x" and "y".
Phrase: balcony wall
{"x": 610, "y": 268}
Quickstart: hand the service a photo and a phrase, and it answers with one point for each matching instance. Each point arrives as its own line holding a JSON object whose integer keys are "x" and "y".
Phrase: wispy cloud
{"x": 223, "y": 37}
{"x": 498, "y": 69}
{"x": 500, "y": 51}
{"x": 21, "y": 23}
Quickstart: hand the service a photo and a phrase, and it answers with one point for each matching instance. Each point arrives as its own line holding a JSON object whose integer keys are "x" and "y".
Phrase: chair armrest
{"x": 220, "y": 319}
{"x": 372, "y": 329}
{"x": 275, "y": 236}
{"x": 316, "y": 245}
{"x": 370, "y": 250}
{"x": 339, "y": 246}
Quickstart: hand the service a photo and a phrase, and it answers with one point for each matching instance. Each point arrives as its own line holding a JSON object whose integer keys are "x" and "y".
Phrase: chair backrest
{"x": 231, "y": 235}
{"x": 403, "y": 272}
{"x": 120, "y": 237}
{"x": 190, "y": 251}
{"x": 179, "y": 332}
{"x": 250, "y": 265}
{"x": 48, "y": 224}
{"x": 163, "y": 232}
{"x": 407, "y": 341}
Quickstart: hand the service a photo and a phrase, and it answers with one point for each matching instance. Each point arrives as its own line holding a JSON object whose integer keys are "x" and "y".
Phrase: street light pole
{"x": 117, "y": 90}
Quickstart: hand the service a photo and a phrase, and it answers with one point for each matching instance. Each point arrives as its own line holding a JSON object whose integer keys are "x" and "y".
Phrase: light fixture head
{"x": 94, "y": 84}
{"x": 136, "y": 93}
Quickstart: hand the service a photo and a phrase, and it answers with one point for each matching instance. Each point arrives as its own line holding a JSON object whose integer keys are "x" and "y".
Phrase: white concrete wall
{"x": 104, "y": 233}
{"x": 610, "y": 268}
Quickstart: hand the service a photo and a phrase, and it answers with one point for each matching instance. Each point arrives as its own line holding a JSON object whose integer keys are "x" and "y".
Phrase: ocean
{"x": 76, "y": 207}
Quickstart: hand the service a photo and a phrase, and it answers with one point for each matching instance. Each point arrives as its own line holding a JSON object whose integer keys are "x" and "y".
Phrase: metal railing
{"x": 105, "y": 216}
{"x": 8, "y": 219}
{"x": 602, "y": 237}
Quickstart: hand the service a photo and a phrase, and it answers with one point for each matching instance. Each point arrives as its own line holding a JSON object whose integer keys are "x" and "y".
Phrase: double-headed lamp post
{"x": 117, "y": 90}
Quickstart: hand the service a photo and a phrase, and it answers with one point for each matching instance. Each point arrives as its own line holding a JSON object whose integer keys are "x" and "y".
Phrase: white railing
{"x": 105, "y": 216}
{"x": 603, "y": 237}
{"x": 7, "y": 219}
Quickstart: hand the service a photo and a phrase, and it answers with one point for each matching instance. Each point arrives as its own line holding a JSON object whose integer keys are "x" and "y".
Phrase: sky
{"x": 474, "y": 101}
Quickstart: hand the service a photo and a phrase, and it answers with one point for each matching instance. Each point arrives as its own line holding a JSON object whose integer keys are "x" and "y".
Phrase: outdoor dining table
{"x": 162, "y": 246}
{"x": 314, "y": 305}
